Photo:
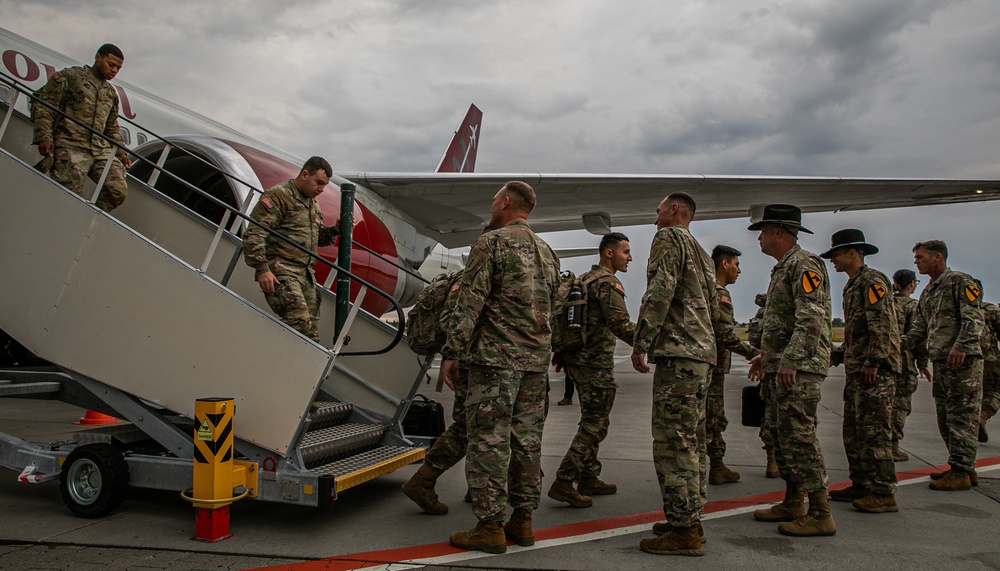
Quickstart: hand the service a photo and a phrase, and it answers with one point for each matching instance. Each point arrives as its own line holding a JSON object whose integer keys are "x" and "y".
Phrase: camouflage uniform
{"x": 755, "y": 330}
{"x": 991, "y": 361}
{"x": 285, "y": 210}
{"x": 675, "y": 328}
{"x": 715, "y": 409}
{"x": 592, "y": 369}
{"x": 796, "y": 335}
{"x": 871, "y": 339}
{"x": 913, "y": 361}
{"x": 950, "y": 316}
{"x": 501, "y": 321}
{"x": 78, "y": 152}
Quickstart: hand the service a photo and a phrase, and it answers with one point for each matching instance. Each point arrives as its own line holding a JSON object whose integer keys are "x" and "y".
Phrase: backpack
{"x": 569, "y": 314}
{"x": 424, "y": 331}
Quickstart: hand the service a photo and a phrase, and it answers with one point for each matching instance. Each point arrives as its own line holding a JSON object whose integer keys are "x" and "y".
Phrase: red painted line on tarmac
{"x": 416, "y": 552}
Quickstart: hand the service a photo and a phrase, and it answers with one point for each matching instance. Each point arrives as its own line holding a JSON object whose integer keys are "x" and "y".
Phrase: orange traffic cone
{"x": 92, "y": 417}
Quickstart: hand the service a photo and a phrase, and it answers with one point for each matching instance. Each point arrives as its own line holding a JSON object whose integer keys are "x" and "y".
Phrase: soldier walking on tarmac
{"x": 914, "y": 363}
{"x": 755, "y": 330}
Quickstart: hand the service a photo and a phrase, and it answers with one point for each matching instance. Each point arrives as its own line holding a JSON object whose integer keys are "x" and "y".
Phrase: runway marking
{"x": 419, "y": 556}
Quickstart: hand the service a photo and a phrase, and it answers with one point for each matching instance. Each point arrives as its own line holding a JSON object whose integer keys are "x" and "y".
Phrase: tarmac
{"x": 375, "y": 526}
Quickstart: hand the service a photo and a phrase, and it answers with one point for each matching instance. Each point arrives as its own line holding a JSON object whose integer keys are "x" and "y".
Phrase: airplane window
{"x": 126, "y": 136}
{"x": 141, "y": 137}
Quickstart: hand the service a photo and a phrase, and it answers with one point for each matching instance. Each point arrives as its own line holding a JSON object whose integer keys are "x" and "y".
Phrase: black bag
{"x": 425, "y": 417}
{"x": 753, "y": 406}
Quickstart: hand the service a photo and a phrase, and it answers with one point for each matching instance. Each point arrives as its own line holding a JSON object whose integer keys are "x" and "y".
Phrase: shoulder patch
{"x": 810, "y": 281}
{"x": 619, "y": 288}
{"x": 875, "y": 293}
{"x": 266, "y": 201}
{"x": 455, "y": 286}
{"x": 725, "y": 299}
{"x": 972, "y": 292}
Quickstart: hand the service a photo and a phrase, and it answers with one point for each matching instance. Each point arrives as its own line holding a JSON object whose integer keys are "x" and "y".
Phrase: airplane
{"x": 403, "y": 217}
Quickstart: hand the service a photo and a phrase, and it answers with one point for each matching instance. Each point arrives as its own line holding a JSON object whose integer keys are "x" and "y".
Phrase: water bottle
{"x": 574, "y": 310}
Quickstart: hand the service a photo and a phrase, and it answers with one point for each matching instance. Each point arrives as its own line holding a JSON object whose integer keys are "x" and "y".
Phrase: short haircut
{"x": 111, "y": 49}
{"x": 684, "y": 200}
{"x": 903, "y": 278}
{"x": 316, "y": 163}
{"x": 611, "y": 240}
{"x": 720, "y": 253}
{"x": 934, "y": 247}
{"x": 521, "y": 194}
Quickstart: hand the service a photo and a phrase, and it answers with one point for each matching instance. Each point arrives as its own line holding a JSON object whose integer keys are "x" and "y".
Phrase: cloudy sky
{"x": 894, "y": 88}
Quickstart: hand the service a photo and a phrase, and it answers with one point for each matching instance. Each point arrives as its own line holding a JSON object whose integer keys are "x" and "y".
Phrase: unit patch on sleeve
{"x": 875, "y": 293}
{"x": 972, "y": 292}
{"x": 266, "y": 201}
{"x": 810, "y": 281}
{"x": 619, "y": 288}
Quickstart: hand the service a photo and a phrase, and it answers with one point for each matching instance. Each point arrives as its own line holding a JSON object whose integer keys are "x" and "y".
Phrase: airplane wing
{"x": 454, "y": 207}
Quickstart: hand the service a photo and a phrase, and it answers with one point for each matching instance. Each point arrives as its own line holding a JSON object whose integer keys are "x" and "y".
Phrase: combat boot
{"x": 952, "y": 481}
{"x": 876, "y": 504}
{"x": 663, "y": 527}
{"x": 719, "y": 473}
{"x": 563, "y": 491}
{"x": 973, "y": 476}
{"x": 771, "y": 471}
{"x": 487, "y": 536}
{"x": 519, "y": 529}
{"x": 420, "y": 489}
{"x": 819, "y": 520}
{"x": 983, "y": 437}
{"x": 595, "y": 487}
{"x": 677, "y": 541}
{"x": 897, "y": 454}
{"x": 849, "y": 494}
{"x": 791, "y": 508}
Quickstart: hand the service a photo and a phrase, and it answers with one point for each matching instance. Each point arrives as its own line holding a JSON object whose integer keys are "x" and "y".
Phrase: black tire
{"x": 94, "y": 480}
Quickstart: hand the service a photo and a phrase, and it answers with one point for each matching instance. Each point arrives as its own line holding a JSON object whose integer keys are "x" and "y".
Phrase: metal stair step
{"x": 370, "y": 464}
{"x": 329, "y": 414}
{"x": 327, "y": 444}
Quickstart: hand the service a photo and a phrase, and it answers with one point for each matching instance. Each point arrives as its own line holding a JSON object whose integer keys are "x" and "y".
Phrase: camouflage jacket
{"x": 949, "y": 316}
{"x": 501, "y": 314}
{"x": 81, "y": 95}
{"x": 871, "y": 331}
{"x": 991, "y": 314}
{"x": 285, "y": 210}
{"x": 607, "y": 318}
{"x": 728, "y": 342}
{"x": 914, "y": 360}
{"x": 680, "y": 307}
{"x": 797, "y": 329}
{"x": 755, "y": 329}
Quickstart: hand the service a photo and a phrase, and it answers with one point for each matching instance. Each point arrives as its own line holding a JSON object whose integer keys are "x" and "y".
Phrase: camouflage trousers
{"x": 71, "y": 167}
{"x": 868, "y": 431}
{"x": 765, "y": 429}
{"x": 991, "y": 389}
{"x": 902, "y": 402}
{"x": 679, "y": 453}
{"x": 791, "y": 417}
{"x": 296, "y": 302}
{"x": 451, "y": 446}
{"x": 505, "y": 414}
{"x": 958, "y": 395}
{"x": 596, "y": 388}
{"x": 715, "y": 415}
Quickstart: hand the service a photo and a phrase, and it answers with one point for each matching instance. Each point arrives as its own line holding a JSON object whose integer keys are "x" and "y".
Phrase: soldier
{"x": 592, "y": 369}
{"x": 950, "y": 318}
{"x": 501, "y": 321}
{"x": 991, "y": 368}
{"x": 871, "y": 357}
{"x": 85, "y": 94}
{"x": 727, "y": 270}
{"x": 754, "y": 333}
{"x": 675, "y": 328}
{"x": 284, "y": 272}
{"x": 794, "y": 359}
{"x": 904, "y": 282}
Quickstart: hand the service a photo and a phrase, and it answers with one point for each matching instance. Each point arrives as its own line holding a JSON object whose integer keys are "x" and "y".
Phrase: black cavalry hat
{"x": 782, "y": 214}
{"x": 849, "y": 238}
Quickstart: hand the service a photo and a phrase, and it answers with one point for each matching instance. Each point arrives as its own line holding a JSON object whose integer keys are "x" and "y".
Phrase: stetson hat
{"x": 782, "y": 215}
{"x": 849, "y": 238}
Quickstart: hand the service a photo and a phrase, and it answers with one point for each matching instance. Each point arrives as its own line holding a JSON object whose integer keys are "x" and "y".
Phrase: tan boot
{"x": 595, "y": 487}
{"x": 563, "y": 491}
{"x": 519, "y": 529}
{"x": 719, "y": 473}
{"x": 487, "y": 536}
{"x": 876, "y": 504}
{"x": 952, "y": 481}
{"x": 771, "y": 471}
{"x": 973, "y": 476}
{"x": 849, "y": 494}
{"x": 897, "y": 454}
{"x": 791, "y": 508}
{"x": 664, "y": 527}
{"x": 420, "y": 489}
{"x": 678, "y": 541}
{"x": 819, "y": 520}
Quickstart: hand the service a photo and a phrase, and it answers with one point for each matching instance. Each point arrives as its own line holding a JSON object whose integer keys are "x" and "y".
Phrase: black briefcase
{"x": 425, "y": 417}
{"x": 753, "y": 406}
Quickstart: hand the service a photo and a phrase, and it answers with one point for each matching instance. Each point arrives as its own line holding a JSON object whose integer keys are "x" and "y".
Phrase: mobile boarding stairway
{"x": 143, "y": 312}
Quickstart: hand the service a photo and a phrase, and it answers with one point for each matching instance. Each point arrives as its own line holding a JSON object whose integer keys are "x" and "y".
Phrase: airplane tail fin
{"x": 461, "y": 153}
